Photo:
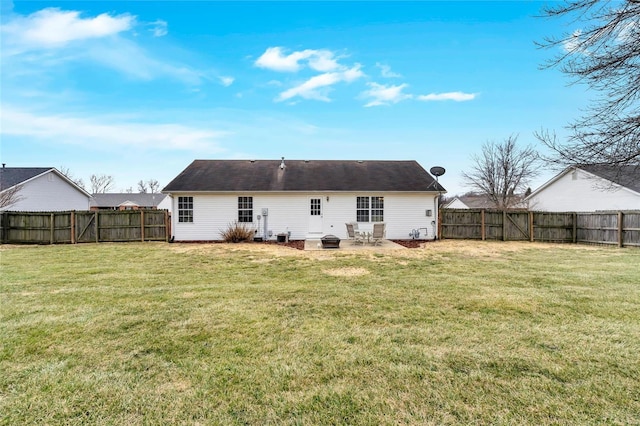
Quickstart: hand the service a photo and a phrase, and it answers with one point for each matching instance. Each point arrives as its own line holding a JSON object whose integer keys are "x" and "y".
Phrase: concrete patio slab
{"x": 347, "y": 245}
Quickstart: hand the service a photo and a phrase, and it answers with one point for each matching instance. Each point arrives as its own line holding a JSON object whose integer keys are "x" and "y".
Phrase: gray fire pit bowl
{"x": 330, "y": 241}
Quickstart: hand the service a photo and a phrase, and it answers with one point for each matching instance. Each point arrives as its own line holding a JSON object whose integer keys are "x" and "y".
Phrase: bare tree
{"x": 154, "y": 186}
{"x": 101, "y": 184}
{"x": 67, "y": 172}
{"x": 142, "y": 187}
{"x": 10, "y": 196}
{"x": 502, "y": 171}
{"x": 602, "y": 51}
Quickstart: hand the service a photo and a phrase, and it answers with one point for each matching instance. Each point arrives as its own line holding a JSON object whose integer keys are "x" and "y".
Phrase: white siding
{"x": 579, "y": 191}
{"x": 289, "y": 212}
{"x": 50, "y": 192}
{"x": 165, "y": 204}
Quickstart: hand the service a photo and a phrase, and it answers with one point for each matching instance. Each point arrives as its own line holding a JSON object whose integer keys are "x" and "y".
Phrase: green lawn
{"x": 455, "y": 333}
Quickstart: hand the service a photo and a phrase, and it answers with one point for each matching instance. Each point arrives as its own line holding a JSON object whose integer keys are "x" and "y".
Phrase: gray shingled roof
{"x": 302, "y": 175}
{"x": 116, "y": 199}
{"x": 12, "y": 176}
{"x": 627, "y": 176}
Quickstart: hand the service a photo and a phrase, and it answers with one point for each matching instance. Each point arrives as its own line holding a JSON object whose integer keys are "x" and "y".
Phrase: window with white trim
{"x": 185, "y": 209}
{"x": 316, "y": 207}
{"x": 245, "y": 209}
{"x": 370, "y": 209}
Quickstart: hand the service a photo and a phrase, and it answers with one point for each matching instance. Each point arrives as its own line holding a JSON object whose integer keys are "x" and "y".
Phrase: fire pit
{"x": 330, "y": 241}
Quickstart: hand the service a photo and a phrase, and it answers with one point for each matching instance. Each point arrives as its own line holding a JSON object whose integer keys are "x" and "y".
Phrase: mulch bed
{"x": 409, "y": 243}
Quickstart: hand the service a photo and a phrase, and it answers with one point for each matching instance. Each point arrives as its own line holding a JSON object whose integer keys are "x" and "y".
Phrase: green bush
{"x": 237, "y": 232}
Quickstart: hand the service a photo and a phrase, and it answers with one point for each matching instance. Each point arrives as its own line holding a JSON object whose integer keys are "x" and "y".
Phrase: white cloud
{"x": 317, "y": 87}
{"x": 129, "y": 58}
{"x": 103, "y": 132}
{"x": 38, "y": 43}
{"x": 572, "y": 44}
{"x": 385, "y": 71}
{"x": 319, "y": 60}
{"x": 323, "y": 61}
{"x": 385, "y": 95}
{"x": 449, "y": 96}
{"x": 52, "y": 27}
{"x": 159, "y": 28}
{"x": 226, "y": 81}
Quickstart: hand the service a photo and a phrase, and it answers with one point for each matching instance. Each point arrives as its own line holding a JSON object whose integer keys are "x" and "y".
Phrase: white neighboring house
{"x": 305, "y": 198}
{"x": 42, "y": 189}
{"x": 456, "y": 203}
{"x": 589, "y": 188}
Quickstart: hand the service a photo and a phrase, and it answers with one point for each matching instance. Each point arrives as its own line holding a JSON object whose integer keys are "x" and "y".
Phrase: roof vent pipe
{"x": 282, "y": 166}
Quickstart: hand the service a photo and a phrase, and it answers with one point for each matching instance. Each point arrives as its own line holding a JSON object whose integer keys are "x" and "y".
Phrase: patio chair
{"x": 355, "y": 236}
{"x": 379, "y": 233}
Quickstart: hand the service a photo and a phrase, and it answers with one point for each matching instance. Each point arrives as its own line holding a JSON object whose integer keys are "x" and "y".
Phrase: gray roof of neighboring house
{"x": 477, "y": 201}
{"x": 627, "y": 176}
{"x": 303, "y": 175}
{"x": 12, "y": 176}
{"x": 117, "y": 199}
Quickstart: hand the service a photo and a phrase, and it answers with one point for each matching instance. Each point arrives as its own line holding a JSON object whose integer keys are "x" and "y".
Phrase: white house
{"x": 456, "y": 203}
{"x": 41, "y": 189}
{"x": 589, "y": 188}
{"x": 306, "y": 199}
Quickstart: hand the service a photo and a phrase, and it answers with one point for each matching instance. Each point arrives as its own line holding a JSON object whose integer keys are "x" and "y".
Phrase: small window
{"x": 377, "y": 209}
{"x": 245, "y": 209}
{"x": 185, "y": 209}
{"x": 362, "y": 209}
{"x": 316, "y": 207}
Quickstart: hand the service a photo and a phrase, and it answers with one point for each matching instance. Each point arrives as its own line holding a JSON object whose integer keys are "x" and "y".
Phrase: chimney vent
{"x": 282, "y": 166}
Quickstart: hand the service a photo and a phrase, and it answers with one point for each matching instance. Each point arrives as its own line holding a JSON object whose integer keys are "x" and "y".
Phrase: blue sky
{"x": 138, "y": 90}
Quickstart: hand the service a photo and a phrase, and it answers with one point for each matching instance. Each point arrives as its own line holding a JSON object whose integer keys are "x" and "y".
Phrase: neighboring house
{"x": 130, "y": 201}
{"x": 589, "y": 188}
{"x": 455, "y": 203}
{"x": 307, "y": 199}
{"x": 42, "y": 189}
{"x": 477, "y": 201}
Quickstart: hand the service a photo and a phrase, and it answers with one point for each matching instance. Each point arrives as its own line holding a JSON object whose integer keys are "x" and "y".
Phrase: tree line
{"x": 100, "y": 184}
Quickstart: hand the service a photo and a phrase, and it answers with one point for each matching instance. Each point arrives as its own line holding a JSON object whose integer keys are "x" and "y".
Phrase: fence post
{"x": 482, "y": 225}
{"x": 73, "y": 226}
{"x": 51, "y": 228}
{"x": 142, "y": 224}
{"x": 504, "y": 225}
{"x": 166, "y": 225}
{"x": 5, "y": 227}
{"x": 575, "y": 227}
{"x": 620, "y": 229}
{"x": 531, "y": 226}
{"x": 95, "y": 218}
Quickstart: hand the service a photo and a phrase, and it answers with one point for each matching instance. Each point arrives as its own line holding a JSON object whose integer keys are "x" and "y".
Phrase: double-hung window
{"x": 185, "y": 209}
{"x": 370, "y": 209}
{"x": 245, "y": 209}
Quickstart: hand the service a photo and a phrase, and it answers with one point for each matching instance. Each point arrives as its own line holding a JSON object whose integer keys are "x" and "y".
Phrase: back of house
{"x": 304, "y": 199}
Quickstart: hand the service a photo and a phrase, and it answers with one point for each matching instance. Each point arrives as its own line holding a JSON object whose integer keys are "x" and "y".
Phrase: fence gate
{"x": 516, "y": 226}
{"x": 86, "y": 229}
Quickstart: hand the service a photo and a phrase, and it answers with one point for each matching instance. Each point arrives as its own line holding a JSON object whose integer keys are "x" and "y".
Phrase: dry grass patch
{"x": 347, "y": 272}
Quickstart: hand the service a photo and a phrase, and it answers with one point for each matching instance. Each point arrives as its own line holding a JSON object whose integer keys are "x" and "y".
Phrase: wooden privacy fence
{"x": 84, "y": 226}
{"x": 621, "y": 227}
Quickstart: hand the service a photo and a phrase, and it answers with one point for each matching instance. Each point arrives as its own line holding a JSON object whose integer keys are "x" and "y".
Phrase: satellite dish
{"x": 437, "y": 171}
